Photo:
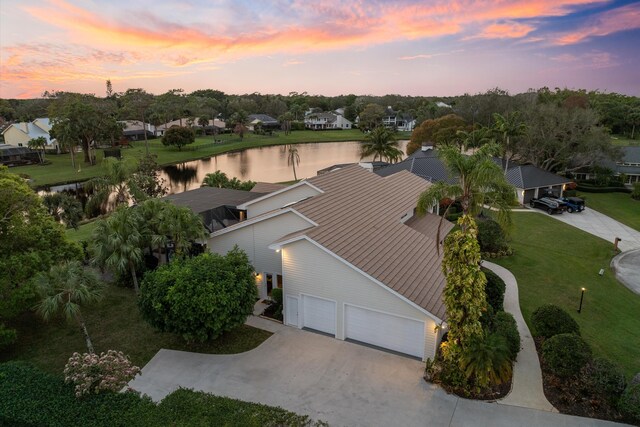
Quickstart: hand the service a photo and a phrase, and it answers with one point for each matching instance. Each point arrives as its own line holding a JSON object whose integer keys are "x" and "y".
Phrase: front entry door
{"x": 269, "y": 279}
{"x": 291, "y": 311}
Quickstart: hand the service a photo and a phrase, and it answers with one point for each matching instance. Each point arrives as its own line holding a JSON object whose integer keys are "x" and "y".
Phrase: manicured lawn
{"x": 115, "y": 323}
{"x": 83, "y": 232}
{"x": 552, "y": 261}
{"x": 619, "y": 206}
{"x": 61, "y": 171}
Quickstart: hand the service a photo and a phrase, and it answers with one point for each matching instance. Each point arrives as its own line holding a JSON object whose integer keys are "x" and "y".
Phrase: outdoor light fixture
{"x": 581, "y": 298}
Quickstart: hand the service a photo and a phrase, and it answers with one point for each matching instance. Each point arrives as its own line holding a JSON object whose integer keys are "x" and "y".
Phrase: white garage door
{"x": 385, "y": 330}
{"x": 319, "y": 314}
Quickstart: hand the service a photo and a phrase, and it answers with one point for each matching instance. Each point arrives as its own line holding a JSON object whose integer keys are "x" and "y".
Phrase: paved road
{"x": 342, "y": 383}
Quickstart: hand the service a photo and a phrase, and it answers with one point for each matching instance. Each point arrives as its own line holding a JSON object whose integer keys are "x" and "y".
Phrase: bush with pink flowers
{"x": 92, "y": 373}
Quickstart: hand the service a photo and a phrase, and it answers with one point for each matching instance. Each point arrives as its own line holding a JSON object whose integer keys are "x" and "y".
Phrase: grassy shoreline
{"x": 60, "y": 171}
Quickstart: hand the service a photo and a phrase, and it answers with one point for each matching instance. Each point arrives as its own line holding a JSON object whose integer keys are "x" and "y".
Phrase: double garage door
{"x": 367, "y": 326}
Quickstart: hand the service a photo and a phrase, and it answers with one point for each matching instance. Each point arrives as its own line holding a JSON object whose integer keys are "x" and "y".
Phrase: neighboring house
{"x": 528, "y": 180}
{"x": 396, "y": 120}
{"x": 134, "y": 130}
{"x": 19, "y": 134}
{"x": 216, "y": 124}
{"x": 10, "y": 155}
{"x": 217, "y": 206}
{"x": 324, "y": 121}
{"x": 629, "y": 165}
{"x": 351, "y": 257}
{"x": 267, "y": 122}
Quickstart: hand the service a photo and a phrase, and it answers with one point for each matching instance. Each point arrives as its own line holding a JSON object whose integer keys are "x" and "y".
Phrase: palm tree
{"x": 216, "y": 179}
{"x": 118, "y": 242}
{"x": 293, "y": 159}
{"x": 474, "y": 138}
{"x": 150, "y": 212}
{"x": 116, "y": 181}
{"x": 487, "y": 360}
{"x": 480, "y": 183}
{"x": 508, "y": 127}
{"x": 381, "y": 142}
{"x": 182, "y": 226}
{"x": 65, "y": 288}
{"x": 40, "y": 143}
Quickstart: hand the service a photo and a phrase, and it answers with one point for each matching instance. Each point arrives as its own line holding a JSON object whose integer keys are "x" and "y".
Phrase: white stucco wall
{"x": 308, "y": 269}
{"x": 255, "y": 238}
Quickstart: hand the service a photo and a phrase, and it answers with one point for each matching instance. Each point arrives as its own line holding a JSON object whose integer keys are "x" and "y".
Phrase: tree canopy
{"x": 200, "y": 298}
{"x": 438, "y": 131}
{"x": 178, "y": 136}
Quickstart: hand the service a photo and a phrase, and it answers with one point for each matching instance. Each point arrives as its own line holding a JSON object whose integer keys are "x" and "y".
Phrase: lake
{"x": 266, "y": 164}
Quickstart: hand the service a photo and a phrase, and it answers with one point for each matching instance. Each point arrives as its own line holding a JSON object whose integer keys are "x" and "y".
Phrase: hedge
{"x": 590, "y": 189}
{"x": 30, "y": 397}
{"x": 505, "y": 325}
{"x": 494, "y": 289}
{"x": 566, "y": 354}
{"x": 549, "y": 320}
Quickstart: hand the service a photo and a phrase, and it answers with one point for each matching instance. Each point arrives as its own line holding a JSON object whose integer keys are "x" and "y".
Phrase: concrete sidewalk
{"x": 526, "y": 388}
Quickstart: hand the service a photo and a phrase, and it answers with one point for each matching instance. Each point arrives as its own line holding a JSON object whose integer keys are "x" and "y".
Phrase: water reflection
{"x": 266, "y": 164}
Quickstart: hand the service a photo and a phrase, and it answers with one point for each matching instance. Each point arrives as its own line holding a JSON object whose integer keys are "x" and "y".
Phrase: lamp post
{"x": 581, "y": 298}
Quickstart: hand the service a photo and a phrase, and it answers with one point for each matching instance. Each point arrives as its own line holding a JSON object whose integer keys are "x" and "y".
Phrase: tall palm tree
{"x": 182, "y": 226}
{"x": 66, "y": 288}
{"x": 508, "y": 127}
{"x": 480, "y": 182}
{"x": 381, "y": 142}
{"x": 118, "y": 241}
{"x": 293, "y": 159}
{"x": 151, "y": 218}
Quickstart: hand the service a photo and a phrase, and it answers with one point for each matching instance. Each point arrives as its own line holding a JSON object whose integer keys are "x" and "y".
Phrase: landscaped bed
{"x": 115, "y": 323}
{"x": 30, "y": 397}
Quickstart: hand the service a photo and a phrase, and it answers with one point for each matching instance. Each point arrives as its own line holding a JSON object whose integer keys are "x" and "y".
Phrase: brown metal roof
{"x": 266, "y": 187}
{"x": 359, "y": 219}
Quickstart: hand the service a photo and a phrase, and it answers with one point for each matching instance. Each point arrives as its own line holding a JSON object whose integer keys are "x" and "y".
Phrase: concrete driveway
{"x": 342, "y": 383}
{"x": 601, "y": 225}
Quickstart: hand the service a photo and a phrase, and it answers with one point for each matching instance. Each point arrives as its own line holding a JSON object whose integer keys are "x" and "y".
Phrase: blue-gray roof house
{"x": 528, "y": 180}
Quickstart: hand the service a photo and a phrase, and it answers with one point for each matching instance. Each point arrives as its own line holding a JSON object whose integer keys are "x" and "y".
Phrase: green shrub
{"x": 276, "y": 296}
{"x": 200, "y": 297}
{"x": 7, "y": 336}
{"x": 491, "y": 236}
{"x": 635, "y": 193}
{"x": 566, "y": 354}
{"x": 549, "y": 320}
{"x": 505, "y": 325}
{"x": 488, "y": 318}
{"x": 494, "y": 289}
{"x": 629, "y": 403}
{"x": 604, "y": 378}
{"x": 30, "y": 397}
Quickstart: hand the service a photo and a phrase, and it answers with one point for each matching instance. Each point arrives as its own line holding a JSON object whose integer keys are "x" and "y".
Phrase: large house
{"x": 135, "y": 130}
{"x": 19, "y": 134}
{"x": 215, "y": 125}
{"x": 352, "y": 258}
{"x": 528, "y": 180}
{"x": 265, "y": 121}
{"x": 397, "y": 120}
{"x": 328, "y": 120}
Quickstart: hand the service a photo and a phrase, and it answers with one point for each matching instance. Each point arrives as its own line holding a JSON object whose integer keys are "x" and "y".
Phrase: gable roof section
{"x": 282, "y": 190}
{"x": 262, "y": 118}
{"x": 266, "y": 187}
{"x": 359, "y": 220}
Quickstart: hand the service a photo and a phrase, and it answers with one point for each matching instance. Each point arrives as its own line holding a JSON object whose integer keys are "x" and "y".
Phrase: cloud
{"x": 292, "y": 62}
{"x": 594, "y": 60}
{"x": 508, "y": 30}
{"x": 420, "y": 56}
{"x": 609, "y": 22}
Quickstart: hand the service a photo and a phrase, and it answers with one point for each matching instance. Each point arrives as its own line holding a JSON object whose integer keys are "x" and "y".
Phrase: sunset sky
{"x": 329, "y": 47}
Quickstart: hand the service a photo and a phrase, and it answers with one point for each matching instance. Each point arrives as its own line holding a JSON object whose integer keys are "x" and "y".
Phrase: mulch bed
{"x": 490, "y": 395}
{"x": 570, "y": 396}
{"x": 270, "y": 312}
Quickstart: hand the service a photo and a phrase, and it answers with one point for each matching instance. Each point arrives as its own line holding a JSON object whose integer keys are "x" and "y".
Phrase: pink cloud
{"x": 609, "y": 22}
{"x": 508, "y": 30}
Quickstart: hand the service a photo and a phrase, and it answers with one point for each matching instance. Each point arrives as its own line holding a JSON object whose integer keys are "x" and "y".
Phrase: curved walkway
{"x": 526, "y": 388}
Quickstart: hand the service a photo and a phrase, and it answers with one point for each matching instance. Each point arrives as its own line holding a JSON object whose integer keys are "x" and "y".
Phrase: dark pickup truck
{"x": 549, "y": 204}
{"x": 572, "y": 204}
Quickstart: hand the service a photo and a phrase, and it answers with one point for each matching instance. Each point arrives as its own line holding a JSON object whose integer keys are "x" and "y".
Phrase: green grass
{"x": 60, "y": 169}
{"x": 619, "y": 206}
{"x": 83, "y": 232}
{"x": 623, "y": 141}
{"x": 552, "y": 261}
{"x": 116, "y": 324}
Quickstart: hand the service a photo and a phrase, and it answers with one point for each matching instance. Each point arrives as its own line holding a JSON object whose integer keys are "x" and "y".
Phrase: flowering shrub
{"x": 91, "y": 373}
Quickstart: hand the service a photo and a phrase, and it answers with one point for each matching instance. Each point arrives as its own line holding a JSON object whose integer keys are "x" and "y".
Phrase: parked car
{"x": 574, "y": 204}
{"x": 548, "y": 204}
